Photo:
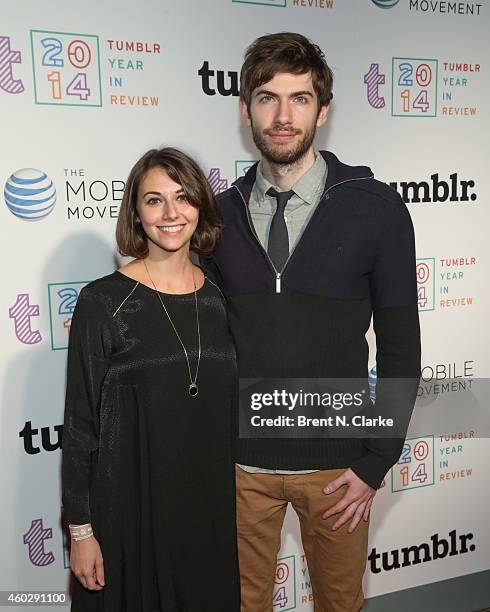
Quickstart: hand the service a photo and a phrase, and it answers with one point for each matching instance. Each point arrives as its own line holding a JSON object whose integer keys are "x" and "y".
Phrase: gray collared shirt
{"x": 299, "y": 209}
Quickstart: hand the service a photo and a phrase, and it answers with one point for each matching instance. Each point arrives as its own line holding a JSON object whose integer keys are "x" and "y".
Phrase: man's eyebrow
{"x": 301, "y": 93}
{"x": 266, "y": 92}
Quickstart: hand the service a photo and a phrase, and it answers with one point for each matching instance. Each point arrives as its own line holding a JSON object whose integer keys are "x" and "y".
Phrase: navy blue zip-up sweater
{"x": 355, "y": 259}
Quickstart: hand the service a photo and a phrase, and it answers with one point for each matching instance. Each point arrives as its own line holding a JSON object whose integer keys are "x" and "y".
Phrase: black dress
{"x": 147, "y": 464}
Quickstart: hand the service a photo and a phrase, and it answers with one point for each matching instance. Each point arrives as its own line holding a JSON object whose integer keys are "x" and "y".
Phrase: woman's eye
{"x": 153, "y": 201}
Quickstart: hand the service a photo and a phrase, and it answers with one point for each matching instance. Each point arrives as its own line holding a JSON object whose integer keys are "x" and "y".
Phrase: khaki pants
{"x": 336, "y": 559}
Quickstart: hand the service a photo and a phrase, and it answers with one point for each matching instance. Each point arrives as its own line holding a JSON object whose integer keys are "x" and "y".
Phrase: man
{"x": 312, "y": 248}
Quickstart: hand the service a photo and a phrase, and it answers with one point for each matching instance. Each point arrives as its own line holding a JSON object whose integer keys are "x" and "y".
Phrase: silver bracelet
{"x": 80, "y": 532}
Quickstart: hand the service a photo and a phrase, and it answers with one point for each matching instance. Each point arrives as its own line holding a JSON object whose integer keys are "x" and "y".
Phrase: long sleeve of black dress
{"x": 88, "y": 351}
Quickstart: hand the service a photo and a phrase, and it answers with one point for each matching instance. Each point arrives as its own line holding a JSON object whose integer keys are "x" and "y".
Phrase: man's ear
{"x": 322, "y": 115}
{"x": 244, "y": 112}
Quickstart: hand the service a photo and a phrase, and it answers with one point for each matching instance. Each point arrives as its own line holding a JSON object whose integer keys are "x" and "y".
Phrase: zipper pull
{"x": 278, "y": 282}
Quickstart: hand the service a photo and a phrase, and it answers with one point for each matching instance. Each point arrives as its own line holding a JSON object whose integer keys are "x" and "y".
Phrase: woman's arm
{"x": 88, "y": 357}
{"x": 88, "y": 352}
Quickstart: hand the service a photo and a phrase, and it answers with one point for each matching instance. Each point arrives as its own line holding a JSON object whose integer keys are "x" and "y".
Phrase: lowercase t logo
{"x": 373, "y": 79}
{"x": 216, "y": 182}
{"x": 21, "y": 312}
{"x": 34, "y": 539}
{"x": 7, "y": 58}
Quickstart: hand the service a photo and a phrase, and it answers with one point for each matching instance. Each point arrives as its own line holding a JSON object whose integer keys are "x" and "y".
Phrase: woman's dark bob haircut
{"x": 130, "y": 236}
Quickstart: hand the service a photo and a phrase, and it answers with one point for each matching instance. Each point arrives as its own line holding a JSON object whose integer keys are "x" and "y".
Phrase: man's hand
{"x": 356, "y": 502}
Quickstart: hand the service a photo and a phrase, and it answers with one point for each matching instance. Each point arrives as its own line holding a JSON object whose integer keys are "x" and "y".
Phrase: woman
{"x": 148, "y": 482}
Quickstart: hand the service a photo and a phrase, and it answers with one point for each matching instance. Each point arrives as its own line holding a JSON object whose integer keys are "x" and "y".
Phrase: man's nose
{"x": 284, "y": 114}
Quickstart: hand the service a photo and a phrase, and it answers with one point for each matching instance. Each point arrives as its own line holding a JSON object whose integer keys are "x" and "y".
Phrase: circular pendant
{"x": 193, "y": 390}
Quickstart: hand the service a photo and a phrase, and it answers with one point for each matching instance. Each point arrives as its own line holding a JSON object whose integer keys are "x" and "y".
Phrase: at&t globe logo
{"x": 30, "y": 194}
{"x": 385, "y": 3}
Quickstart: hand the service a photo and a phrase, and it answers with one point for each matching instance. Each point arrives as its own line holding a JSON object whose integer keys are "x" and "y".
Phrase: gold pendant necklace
{"x": 193, "y": 388}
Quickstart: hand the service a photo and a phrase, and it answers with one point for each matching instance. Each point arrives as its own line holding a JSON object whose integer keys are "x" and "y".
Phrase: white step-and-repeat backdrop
{"x": 86, "y": 88}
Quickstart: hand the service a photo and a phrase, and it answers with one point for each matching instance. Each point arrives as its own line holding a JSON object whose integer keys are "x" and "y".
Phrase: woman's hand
{"x": 87, "y": 564}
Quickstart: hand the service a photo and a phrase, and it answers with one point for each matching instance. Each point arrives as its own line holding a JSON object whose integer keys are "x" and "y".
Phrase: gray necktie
{"x": 278, "y": 244}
